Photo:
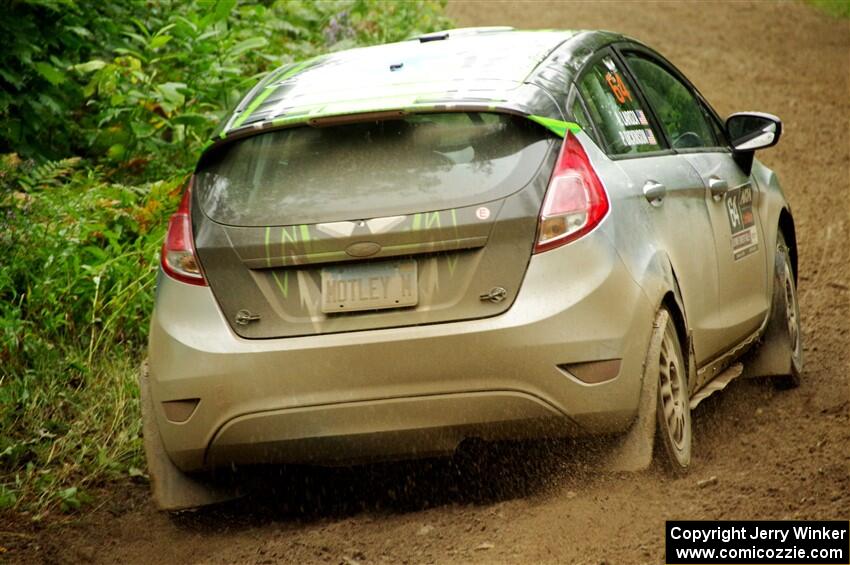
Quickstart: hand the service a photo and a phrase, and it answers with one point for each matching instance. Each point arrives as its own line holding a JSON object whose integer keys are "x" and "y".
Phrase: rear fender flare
{"x": 661, "y": 285}
{"x": 633, "y": 451}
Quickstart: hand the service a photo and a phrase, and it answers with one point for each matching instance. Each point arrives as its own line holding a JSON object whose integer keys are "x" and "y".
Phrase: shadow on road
{"x": 477, "y": 474}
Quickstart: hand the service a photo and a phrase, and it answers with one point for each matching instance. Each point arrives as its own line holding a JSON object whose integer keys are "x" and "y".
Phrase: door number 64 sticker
{"x": 742, "y": 221}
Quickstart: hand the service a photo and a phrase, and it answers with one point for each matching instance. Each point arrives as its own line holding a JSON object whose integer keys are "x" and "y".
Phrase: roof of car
{"x": 467, "y": 69}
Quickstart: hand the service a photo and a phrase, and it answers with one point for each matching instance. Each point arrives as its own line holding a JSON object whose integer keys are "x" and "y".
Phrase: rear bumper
{"x": 380, "y": 429}
{"x": 404, "y": 391}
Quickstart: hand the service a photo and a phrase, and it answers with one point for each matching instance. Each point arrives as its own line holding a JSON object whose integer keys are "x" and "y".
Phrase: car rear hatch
{"x": 403, "y": 220}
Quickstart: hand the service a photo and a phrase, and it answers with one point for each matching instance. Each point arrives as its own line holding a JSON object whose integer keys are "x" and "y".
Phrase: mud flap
{"x": 172, "y": 488}
{"x": 633, "y": 451}
{"x": 772, "y": 358}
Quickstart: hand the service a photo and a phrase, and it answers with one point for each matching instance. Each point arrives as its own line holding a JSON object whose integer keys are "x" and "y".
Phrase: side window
{"x": 616, "y": 111}
{"x": 683, "y": 117}
{"x": 579, "y": 115}
{"x": 716, "y": 126}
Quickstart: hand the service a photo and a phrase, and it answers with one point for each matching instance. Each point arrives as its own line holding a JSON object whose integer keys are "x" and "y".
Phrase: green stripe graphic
{"x": 558, "y": 127}
{"x": 261, "y": 97}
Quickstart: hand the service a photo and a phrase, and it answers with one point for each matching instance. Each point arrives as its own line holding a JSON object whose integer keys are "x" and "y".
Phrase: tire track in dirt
{"x": 776, "y": 454}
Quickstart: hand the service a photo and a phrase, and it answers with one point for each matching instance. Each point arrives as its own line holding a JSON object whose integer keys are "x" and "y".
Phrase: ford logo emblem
{"x": 363, "y": 249}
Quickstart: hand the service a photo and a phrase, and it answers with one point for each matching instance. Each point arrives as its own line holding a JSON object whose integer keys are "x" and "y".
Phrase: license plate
{"x": 369, "y": 286}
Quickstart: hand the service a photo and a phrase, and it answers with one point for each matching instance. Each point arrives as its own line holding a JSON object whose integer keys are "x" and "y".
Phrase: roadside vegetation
{"x": 104, "y": 107}
{"x": 836, "y": 8}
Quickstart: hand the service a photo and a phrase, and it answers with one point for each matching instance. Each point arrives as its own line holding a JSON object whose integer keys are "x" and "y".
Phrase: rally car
{"x": 477, "y": 233}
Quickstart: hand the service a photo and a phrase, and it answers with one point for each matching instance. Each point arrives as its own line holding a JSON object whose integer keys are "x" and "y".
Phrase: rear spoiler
{"x": 314, "y": 119}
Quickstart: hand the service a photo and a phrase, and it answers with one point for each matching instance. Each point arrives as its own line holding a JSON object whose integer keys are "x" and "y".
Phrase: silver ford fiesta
{"x": 478, "y": 233}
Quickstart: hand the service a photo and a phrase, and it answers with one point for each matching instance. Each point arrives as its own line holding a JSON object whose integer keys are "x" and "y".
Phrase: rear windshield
{"x": 422, "y": 162}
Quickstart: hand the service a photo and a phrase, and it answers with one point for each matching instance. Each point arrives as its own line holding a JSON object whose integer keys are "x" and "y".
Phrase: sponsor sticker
{"x": 742, "y": 221}
{"x": 482, "y": 213}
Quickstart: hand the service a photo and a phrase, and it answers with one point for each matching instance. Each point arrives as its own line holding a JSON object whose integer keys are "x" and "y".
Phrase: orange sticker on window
{"x": 618, "y": 87}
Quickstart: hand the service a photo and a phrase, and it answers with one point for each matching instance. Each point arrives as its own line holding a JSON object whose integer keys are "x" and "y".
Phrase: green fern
{"x": 50, "y": 173}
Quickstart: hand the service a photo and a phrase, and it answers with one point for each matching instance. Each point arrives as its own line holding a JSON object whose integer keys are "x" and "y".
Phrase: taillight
{"x": 575, "y": 201}
{"x": 179, "y": 260}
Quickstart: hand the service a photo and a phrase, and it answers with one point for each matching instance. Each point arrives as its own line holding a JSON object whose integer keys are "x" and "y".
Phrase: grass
{"x": 102, "y": 441}
{"x": 77, "y": 279}
{"x": 835, "y": 8}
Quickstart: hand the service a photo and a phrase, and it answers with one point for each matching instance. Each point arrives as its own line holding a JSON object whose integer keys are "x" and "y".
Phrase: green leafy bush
{"x": 143, "y": 83}
{"x": 76, "y": 287}
{"x": 103, "y": 110}
{"x": 39, "y": 95}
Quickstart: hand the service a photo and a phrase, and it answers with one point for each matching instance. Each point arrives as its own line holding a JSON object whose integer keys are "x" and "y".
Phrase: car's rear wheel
{"x": 666, "y": 363}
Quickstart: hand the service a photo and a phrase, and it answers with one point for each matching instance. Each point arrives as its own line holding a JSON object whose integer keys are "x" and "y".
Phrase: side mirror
{"x": 749, "y": 131}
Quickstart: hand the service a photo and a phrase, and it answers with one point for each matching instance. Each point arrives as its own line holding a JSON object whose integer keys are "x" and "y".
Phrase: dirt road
{"x": 774, "y": 454}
